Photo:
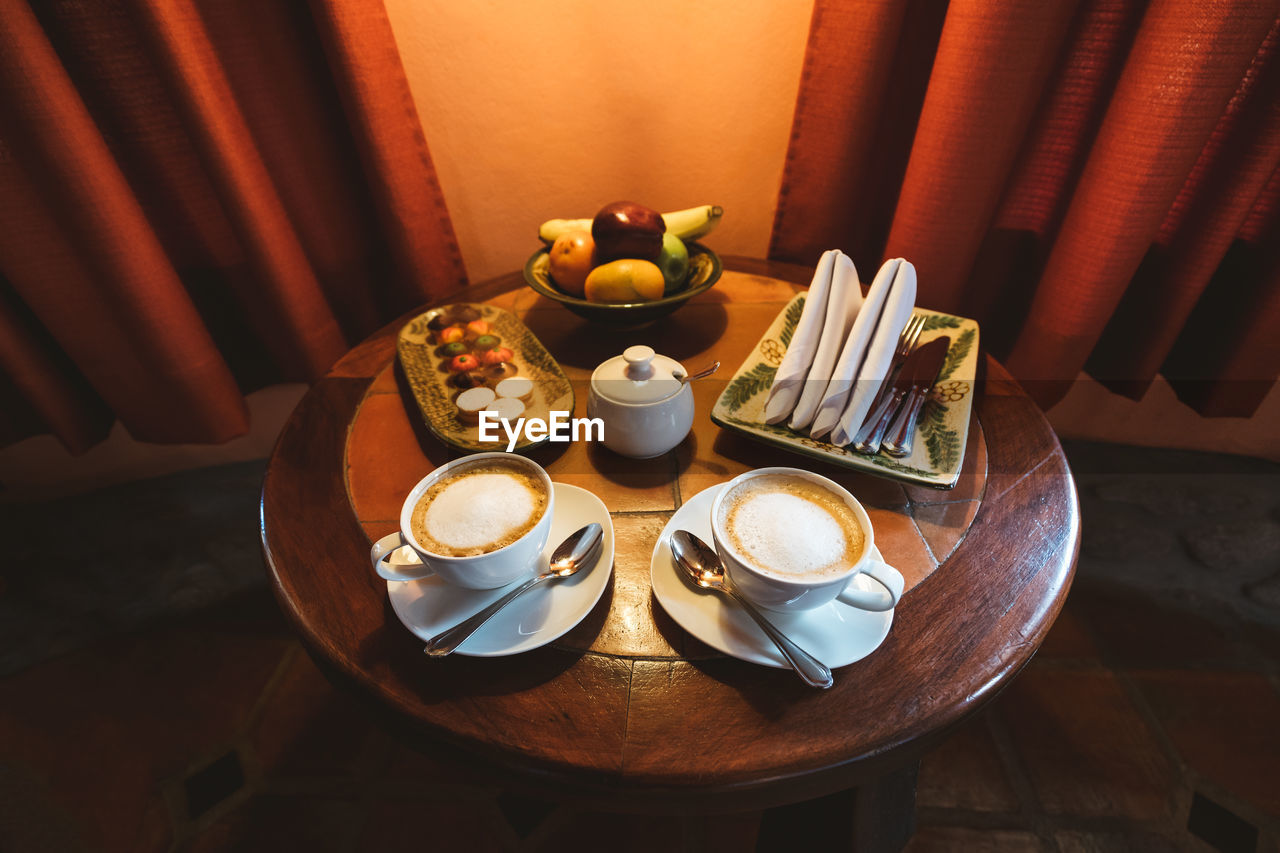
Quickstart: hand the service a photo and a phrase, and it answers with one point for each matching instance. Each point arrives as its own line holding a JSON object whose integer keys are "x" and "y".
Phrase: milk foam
{"x": 478, "y": 509}
{"x": 791, "y": 527}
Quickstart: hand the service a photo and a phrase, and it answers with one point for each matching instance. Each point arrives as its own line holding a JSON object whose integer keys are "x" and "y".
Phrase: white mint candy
{"x": 471, "y": 401}
{"x": 517, "y": 387}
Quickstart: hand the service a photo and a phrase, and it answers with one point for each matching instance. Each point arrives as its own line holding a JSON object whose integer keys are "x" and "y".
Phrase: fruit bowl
{"x": 704, "y": 270}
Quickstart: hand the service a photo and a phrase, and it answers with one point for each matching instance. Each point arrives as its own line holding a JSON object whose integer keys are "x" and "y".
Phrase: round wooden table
{"x": 627, "y": 710}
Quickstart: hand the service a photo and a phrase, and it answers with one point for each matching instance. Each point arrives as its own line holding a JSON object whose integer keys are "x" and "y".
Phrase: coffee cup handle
{"x": 876, "y": 600}
{"x": 405, "y": 564}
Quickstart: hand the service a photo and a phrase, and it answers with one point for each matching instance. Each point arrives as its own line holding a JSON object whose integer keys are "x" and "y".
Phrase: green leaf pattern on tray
{"x": 940, "y": 321}
{"x": 956, "y": 354}
{"x": 746, "y": 386}
{"x": 794, "y": 310}
{"x": 942, "y": 443}
{"x": 939, "y": 449}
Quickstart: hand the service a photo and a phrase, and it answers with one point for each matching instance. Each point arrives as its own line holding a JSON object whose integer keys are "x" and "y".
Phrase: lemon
{"x": 626, "y": 280}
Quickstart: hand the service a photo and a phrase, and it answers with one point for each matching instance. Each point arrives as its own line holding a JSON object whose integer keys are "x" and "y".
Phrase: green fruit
{"x": 673, "y": 260}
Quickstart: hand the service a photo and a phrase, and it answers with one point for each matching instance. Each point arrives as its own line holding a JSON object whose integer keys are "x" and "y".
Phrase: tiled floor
{"x": 161, "y": 703}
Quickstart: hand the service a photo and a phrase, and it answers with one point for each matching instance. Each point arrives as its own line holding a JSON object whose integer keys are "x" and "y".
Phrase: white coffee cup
{"x": 400, "y": 557}
{"x": 788, "y": 594}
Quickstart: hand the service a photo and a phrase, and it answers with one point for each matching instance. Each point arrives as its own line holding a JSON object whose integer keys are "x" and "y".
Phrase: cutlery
{"x": 873, "y": 428}
{"x": 701, "y": 563}
{"x": 920, "y": 372}
{"x": 704, "y": 372}
{"x": 579, "y": 551}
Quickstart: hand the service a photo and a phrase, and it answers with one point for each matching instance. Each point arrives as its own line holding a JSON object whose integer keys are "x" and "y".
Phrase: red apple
{"x": 625, "y": 229}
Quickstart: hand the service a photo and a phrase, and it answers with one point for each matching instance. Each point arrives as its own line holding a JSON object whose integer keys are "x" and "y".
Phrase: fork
{"x": 871, "y": 433}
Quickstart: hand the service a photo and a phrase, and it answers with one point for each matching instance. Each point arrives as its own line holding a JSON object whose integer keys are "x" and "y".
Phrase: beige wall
{"x": 537, "y": 110}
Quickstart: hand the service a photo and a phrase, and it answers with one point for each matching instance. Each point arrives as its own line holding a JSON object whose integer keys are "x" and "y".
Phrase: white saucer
{"x": 836, "y": 633}
{"x": 544, "y": 613}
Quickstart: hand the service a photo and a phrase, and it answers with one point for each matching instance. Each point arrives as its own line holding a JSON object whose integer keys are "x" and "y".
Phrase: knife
{"x": 886, "y": 405}
{"x": 918, "y": 372}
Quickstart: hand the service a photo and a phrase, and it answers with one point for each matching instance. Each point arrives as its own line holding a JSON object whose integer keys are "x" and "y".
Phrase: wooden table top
{"x": 628, "y": 709}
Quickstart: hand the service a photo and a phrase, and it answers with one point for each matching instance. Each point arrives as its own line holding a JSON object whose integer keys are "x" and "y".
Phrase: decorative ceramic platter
{"x": 429, "y": 377}
{"x": 938, "y": 449}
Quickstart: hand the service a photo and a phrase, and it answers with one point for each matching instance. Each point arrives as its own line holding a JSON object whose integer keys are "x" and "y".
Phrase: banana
{"x": 550, "y": 231}
{"x": 689, "y": 224}
{"x": 694, "y": 222}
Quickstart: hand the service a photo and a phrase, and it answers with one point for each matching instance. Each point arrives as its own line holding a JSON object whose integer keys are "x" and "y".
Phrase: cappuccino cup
{"x": 478, "y": 522}
{"x": 793, "y": 540}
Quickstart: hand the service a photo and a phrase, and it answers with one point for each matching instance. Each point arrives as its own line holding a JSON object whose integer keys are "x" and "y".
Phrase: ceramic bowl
{"x": 704, "y": 270}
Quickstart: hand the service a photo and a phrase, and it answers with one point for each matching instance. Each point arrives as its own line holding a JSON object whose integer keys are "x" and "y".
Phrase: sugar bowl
{"x": 644, "y": 401}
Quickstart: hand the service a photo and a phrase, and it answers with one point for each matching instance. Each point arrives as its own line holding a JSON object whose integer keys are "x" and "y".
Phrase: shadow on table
{"x": 771, "y": 692}
{"x": 576, "y": 342}
{"x": 445, "y": 679}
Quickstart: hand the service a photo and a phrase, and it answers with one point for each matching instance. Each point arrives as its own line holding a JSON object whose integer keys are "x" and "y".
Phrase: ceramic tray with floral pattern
{"x": 426, "y": 367}
{"x": 938, "y": 450}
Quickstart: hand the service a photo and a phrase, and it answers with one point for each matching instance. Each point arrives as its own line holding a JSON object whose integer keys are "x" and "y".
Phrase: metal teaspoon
{"x": 706, "y": 371}
{"x": 705, "y": 569}
{"x": 579, "y": 551}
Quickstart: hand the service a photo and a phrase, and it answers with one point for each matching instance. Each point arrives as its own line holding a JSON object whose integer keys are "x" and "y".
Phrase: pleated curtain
{"x": 199, "y": 198}
{"x": 1096, "y": 182}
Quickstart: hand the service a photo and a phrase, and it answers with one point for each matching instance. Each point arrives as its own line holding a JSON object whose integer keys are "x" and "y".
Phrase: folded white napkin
{"x": 882, "y": 319}
{"x": 788, "y": 382}
{"x": 843, "y": 301}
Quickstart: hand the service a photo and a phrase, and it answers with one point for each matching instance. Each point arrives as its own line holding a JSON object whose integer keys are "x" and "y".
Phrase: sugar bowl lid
{"x": 638, "y": 376}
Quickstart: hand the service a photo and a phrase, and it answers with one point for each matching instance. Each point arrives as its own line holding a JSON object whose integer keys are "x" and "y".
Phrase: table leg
{"x": 876, "y": 817}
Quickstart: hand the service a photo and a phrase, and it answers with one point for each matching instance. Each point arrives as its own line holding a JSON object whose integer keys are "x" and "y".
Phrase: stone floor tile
{"x": 1125, "y": 535}
{"x": 948, "y": 839}
{"x": 1221, "y": 828}
{"x": 571, "y": 830}
{"x": 418, "y": 825}
{"x": 1138, "y": 629}
{"x": 1223, "y": 725}
{"x": 272, "y": 822}
{"x": 965, "y": 772}
{"x": 1264, "y": 640}
{"x": 307, "y": 726}
{"x": 106, "y": 724}
{"x": 399, "y": 769}
{"x": 155, "y": 833}
{"x": 1085, "y": 747}
{"x": 1069, "y": 637}
{"x": 1088, "y": 841}
{"x": 161, "y": 548}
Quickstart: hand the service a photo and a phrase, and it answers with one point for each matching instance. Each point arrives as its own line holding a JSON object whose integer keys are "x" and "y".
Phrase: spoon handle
{"x": 446, "y": 641}
{"x": 811, "y": 670}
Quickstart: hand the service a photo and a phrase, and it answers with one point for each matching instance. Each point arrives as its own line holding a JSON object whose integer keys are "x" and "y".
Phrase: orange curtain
{"x": 198, "y": 198}
{"x": 1097, "y": 182}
